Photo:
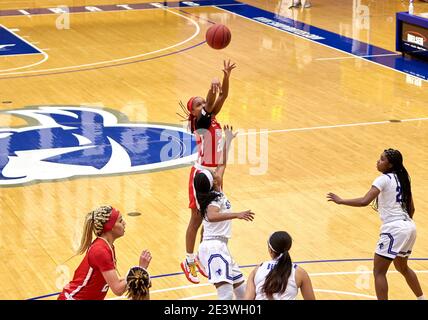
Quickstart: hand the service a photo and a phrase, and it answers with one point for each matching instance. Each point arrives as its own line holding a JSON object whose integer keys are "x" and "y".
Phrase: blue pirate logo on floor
{"x": 68, "y": 141}
{"x": 218, "y": 272}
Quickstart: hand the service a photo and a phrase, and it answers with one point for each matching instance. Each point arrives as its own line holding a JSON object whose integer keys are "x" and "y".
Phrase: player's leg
{"x": 388, "y": 245}
{"x": 239, "y": 290}
{"x": 381, "y": 265}
{"x": 199, "y": 265}
{"x": 224, "y": 291}
{"x": 192, "y": 230}
{"x": 239, "y": 284}
{"x": 401, "y": 265}
{"x": 189, "y": 266}
{"x": 401, "y": 261}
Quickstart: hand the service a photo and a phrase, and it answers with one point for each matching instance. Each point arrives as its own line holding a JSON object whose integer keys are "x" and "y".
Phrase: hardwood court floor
{"x": 142, "y": 62}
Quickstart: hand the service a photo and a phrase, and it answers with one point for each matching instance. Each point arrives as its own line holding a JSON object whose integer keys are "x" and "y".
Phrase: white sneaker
{"x": 307, "y": 4}
{"x": 295, "y": 4}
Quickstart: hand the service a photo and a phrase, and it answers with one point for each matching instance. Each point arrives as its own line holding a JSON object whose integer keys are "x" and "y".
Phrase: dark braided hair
{"x": 396, "y": 160}
{"x": 187, "y": 114}
{"x": 138, "y": 284}
{"x": 277, "y": 279}
{"x": 204, "y": 193}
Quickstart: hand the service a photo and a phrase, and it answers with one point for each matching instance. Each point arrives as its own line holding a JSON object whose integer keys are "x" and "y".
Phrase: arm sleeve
{"x": 380, "y": 182}
{"x": 101, "y": 258}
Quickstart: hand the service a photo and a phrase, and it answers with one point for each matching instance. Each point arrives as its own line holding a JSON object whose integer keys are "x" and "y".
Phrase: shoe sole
{"x": 200, "y": 268}
{"x": 201, "y": 271}
{"x": 185, "y": 273}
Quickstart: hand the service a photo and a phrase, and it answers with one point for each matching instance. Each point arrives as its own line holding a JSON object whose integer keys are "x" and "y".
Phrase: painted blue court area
{"x": 12, "y": 45}
{"x": 389, "y": 59}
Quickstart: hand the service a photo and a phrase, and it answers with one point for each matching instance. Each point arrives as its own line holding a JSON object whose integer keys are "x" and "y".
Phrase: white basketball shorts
{"x": 218, "y": 263}
{"x": 396, "y": 239}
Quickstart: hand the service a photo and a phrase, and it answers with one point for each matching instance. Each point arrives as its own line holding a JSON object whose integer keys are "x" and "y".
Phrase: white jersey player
{"x": 279, "y": 278}
{"x": 392, "y": 195}
{"x": 216, "y": 210}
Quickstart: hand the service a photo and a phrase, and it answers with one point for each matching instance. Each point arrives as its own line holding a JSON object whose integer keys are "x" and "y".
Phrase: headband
{"x": 112, "y": 220}
{"x": 190, "y": 104}
{"x": 208, "y": 174}
{"x": 270, "y": 246}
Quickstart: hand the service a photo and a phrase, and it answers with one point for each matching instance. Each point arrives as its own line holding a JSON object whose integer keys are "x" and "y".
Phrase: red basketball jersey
{"x": 210, "y": 144}
{"x": 210, "y": 148}
{"x": 88, "y": 282}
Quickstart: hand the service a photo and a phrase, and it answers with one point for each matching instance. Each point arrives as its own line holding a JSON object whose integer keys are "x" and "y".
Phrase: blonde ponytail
{"x": 94, "y": 223}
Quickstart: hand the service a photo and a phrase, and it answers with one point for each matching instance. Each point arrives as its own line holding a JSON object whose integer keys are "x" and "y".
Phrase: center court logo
{"x": 69, "y": 141}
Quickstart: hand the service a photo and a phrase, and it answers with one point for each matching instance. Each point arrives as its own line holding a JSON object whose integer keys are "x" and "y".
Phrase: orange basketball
{"x": 218, "y": 36}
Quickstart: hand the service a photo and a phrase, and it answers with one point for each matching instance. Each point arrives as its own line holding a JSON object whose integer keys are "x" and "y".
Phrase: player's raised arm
{"x": 224, "y": 92}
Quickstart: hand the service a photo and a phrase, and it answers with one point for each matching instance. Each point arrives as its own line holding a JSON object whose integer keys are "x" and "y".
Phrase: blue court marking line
{"x": 58, "y": 10}
{"x": 333, "y": 40}
{"x": 107, "y": 66}
{"x": 250, "y": 266}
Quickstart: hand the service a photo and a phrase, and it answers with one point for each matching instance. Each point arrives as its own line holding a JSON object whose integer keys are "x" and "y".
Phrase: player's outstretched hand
{"x": 228, "y": 67}
{"x": 247, "y": 215}
{"x": 145, "y": 259}
{"x": 334, "y": 197}
{"x": 228, "y": 132}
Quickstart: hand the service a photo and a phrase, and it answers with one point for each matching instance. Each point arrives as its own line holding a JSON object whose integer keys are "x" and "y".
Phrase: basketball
{"x": 218, "y": 36}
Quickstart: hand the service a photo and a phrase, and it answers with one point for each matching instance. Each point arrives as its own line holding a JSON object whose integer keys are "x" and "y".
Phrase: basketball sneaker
{"x": 295, "y": 4}
{"x": 307, "y": 4}
{"x": 189, "y": 269}
{"x": 200, "y": 267}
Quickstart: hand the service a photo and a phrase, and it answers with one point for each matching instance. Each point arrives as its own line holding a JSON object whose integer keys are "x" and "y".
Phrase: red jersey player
{"x": 208, "y": 132}
{"x": 97, "y": 271}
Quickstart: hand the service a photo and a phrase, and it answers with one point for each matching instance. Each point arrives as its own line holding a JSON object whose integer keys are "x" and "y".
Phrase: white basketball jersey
{"x": 290, "y": 292}
{"x": 390, "y": 197}
{"x": 221, "y": 228}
